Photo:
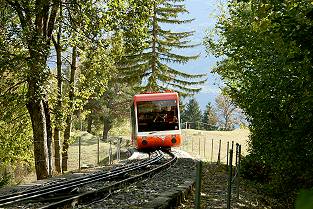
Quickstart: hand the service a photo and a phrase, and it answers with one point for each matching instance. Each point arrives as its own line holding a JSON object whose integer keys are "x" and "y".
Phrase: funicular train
{"x": 155, "y": 120}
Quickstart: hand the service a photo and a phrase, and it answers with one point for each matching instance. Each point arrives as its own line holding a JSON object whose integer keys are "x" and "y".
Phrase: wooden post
{"x": 199, "y": 147}
{"x": 118, "y": 151}
{"x": 198, "y": 185}
{"x": 79, "y": 141}
{"x": 110, "y": 152}
{"x": 219, "y": 153}
{"x": 204, "y": 147}
{"x": 191, "y": 144}
{"x": 227, "y": 150}
{"x": 212, "y": 152}
{"x": 237, "y": 150}
{"x": 98, "y": 152}
{"x": 79, "y": 152}
{"x": 238, "y": 172}
{"x": 230, "y": 176}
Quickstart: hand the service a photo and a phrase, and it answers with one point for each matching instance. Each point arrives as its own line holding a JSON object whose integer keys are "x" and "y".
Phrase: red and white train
{"x": 155, "y": 120}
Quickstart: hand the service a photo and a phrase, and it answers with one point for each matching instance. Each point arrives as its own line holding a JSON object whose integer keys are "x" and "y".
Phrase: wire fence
{"x": 211, "y": 146}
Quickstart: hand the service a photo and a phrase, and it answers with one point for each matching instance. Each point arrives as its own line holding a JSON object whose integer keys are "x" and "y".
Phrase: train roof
{"x": 156, "y": 96}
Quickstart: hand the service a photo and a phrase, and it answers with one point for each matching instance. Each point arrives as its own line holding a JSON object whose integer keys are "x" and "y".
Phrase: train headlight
{"x": 174, "y": 139}
{"x": 144, "y": 141}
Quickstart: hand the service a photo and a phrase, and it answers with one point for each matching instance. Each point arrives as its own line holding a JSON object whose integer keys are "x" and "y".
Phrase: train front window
{"x": 159, "y": 115}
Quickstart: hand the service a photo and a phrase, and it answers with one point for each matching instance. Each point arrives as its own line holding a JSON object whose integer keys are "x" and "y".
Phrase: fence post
{"x": 191, "y": 144}
{"x": 199, "y": 147}
{"x": 98, "y": 151}
{"x": 219, "y": 153}
{"x": 204, "y": 141}
{"x": 238, "y": 171}
{"x": 110, "y": 152}
{"x": 79, "y": 152}
{"x": 212, "y": 152}
{"x": 230, "y": 176}
{"x": 237, "y": 149}
{"x": 227, "y": 150}
{"x": 79, "y": 141}
{"x": 198, "y": 184}
{"x": 118, "y": 149}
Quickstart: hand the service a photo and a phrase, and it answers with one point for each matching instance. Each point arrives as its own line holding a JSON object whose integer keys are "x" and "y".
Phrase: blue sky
{"x": 204, "y": 12}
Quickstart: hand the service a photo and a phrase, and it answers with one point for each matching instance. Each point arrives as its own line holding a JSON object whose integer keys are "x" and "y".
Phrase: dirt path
{"x": 214, "y": 192}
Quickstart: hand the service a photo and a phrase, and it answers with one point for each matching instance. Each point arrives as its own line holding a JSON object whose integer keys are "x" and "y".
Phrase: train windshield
{"x": 161, "y": 115}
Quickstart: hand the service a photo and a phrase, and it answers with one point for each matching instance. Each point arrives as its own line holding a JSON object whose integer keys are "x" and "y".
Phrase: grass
{"x": 191, "y": 139}
{"x": 198, "y": 143}
{"x": 89, "y": 150}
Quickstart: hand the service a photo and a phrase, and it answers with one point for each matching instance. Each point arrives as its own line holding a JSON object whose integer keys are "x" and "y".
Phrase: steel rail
{"x": 70, "y": 184}
{"x": 87, "y": 196}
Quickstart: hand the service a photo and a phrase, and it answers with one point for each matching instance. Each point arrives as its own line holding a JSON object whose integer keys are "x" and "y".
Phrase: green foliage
{"x": 254, "y": 169}
{"x": 305, "y": 199}
{"x": 5, "y": 179}
{"x": 192, "y": 114}
{"x": 99, "y": 30}
{"x": 267, "y": 67}
{"x": 149, "y": 67}
{"x": 209, "y": 118}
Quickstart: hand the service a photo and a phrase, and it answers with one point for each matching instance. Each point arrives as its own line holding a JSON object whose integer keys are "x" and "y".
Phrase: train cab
{"x": 155, "y": 120}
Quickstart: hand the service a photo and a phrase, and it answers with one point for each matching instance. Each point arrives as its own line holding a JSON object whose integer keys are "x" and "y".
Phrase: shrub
{"x": 252, "y": 168}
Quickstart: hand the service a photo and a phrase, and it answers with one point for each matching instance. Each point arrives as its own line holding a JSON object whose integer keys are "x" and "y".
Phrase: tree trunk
{"x": 67, "y": 132}
{"x": 58, "y": 116}
{"x": 89, "y": 120}
{"x": 57, "y": 149}
{"x": 38, "y": 119}
{"x": 107, "y": 125}
{"x": 49, "y": 137}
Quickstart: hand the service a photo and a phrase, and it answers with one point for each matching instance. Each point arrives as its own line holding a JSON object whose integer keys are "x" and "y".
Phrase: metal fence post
{"x": 198, "y": 184}
{"x": 229, "y": 178}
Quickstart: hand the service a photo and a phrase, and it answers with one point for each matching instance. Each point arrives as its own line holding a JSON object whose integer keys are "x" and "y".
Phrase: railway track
{"x": 61, "y": 194}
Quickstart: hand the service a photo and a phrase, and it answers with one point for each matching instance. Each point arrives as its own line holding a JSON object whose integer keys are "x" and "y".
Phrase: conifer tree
{"x": 150, "y": 67}
{"x": 209, "y": 118}
{"x": 192, "y": 114}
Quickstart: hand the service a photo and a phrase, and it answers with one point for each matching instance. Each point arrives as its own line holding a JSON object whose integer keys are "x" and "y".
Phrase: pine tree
{"x": 192, "y": 114}
{"x": 150, "y": 67}
{"x": 209, "y": 118}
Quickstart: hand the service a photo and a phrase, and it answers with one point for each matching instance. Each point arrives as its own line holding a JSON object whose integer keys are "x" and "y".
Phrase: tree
{"x": 150, "y": 66}
{"x": 209, "y": 118}
{"x": 192, "y": 114}
{"x": 227, "y": 112}
{"x": 36, "y": 21}
{"x": 267, "y": 66}
{"x": 29, "y": 32}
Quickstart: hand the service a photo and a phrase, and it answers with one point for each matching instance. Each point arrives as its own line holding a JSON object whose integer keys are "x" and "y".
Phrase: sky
{"x": 204, "y": 12}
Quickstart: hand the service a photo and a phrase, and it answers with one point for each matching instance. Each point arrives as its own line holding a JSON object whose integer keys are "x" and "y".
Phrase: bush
{"x": 5, "y": 179}
{"x": 252, "y": 168}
